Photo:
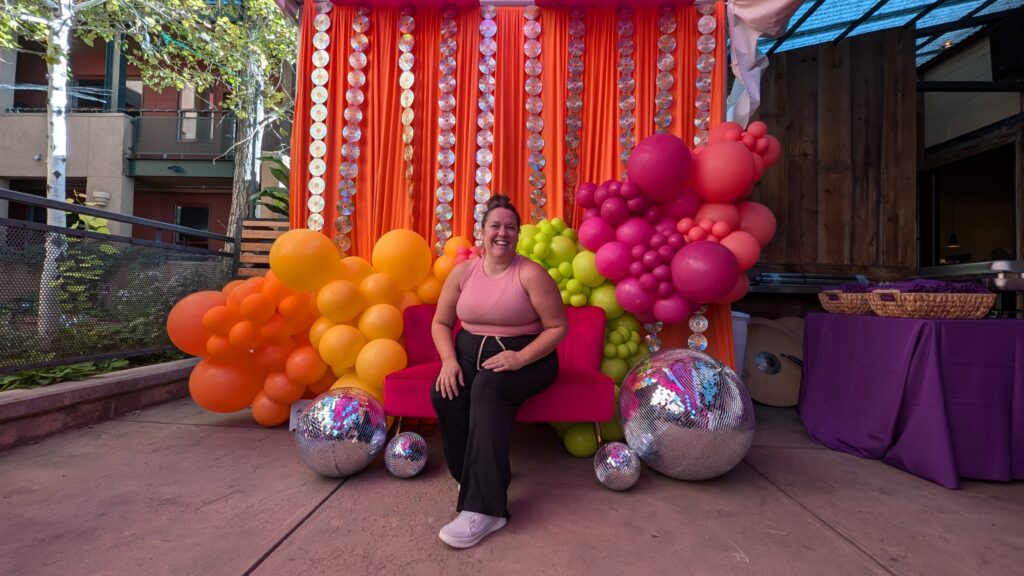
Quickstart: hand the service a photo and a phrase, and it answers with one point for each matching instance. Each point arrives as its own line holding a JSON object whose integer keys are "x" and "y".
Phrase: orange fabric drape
{"x": 381, "y": 201}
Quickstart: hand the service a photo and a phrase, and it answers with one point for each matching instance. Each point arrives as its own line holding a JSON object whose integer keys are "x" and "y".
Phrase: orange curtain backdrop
{"x": 381, "y": 201}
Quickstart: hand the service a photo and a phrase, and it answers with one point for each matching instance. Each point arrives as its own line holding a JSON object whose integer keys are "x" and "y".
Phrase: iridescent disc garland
{"x": 627, "y": 101}
{"x": 446, "y": 122}
{"x": 351, "y": 133}
{"x": 406, "y": 80}
{"x": 706, "y": 25}
{"x": 666, "y": 62}
{"x": 318, "y": 114}
{"x": 534, "y": 106}
{"x": 652, "y": 338}
{"x": 485, "y": 119}
{"x": 698, "y": 325}
{"x": 574, "y": 108}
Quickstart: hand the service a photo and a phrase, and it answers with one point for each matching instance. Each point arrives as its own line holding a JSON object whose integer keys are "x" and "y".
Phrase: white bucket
{"x": 739, "y": 337}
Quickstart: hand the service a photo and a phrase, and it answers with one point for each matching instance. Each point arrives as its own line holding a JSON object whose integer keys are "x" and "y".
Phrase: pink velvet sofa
{"x": 581, "y": 393}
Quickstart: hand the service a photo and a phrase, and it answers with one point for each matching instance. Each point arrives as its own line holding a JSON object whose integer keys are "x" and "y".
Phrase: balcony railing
{"x": 182, "y": 134}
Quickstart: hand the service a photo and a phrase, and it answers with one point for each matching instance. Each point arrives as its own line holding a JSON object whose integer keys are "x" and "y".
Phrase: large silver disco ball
{"x": 341, "y": 432}
{"x": 617, "y": 466}
{"x": 686, "y": 414}
{"x": 406, "y": 455}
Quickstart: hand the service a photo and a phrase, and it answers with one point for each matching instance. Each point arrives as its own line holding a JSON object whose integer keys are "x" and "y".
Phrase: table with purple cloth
{"x": 941, "y": 399}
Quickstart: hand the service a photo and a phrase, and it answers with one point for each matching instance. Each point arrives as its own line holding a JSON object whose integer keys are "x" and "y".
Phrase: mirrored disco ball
{"x": 617, "y": 466}
{"x": 341, "y": 432}
{"x": 406, "y": 455}
{"x": 686, "y": 414}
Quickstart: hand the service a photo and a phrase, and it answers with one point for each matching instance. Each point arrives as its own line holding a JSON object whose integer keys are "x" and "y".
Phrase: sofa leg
{"x": 597, "y": 434}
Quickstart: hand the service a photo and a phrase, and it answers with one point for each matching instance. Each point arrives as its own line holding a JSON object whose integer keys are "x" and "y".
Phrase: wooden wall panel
{"x": 834, "y": 154}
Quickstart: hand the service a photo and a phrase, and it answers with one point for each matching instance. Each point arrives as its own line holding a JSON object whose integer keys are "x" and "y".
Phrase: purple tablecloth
{"x": 941, "y": 399}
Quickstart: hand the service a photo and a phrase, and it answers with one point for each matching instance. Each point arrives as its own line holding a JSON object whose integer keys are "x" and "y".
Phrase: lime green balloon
{"x": 558, "y": 224}
{"x": 541, "y": 250}
{"x": 578, "y": 300}
{"x": 610, "y": 350}
{"x": 634, "y": 336}
{"x": 566, "y": 297}
{"x": 580, "y": 441}
{"x": 546, "y": 228}
{"x": 614, "y": 338}
{"x": 633, "y": 347}
{"x": 570, "y": 234}
{"x": 611, "y": 431}
{"x": 562, "y": 250}
{"x": 574, "y": 286}
{"x": 527, "y": 231}
{"x": 604, "y": 297}
{"x": 566, "y": 269}
{"x": 583, "y": 267}
{"x": 623, "y": 351}
{"x": 555, "y": 275}
{"x": 629, "y": 321}
{"x": 614, "y": 368}
{"x": 541, "y": 237}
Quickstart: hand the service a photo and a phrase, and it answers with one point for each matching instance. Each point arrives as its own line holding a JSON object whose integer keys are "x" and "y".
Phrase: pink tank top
{"x": 497, "y": 306}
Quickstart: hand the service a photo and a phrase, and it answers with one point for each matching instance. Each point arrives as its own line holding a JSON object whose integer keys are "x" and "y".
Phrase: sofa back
{"x": 581, "y": 349}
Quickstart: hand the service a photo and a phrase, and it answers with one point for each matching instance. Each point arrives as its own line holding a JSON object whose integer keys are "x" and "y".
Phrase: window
{"x": 133, "y": 94}
{"x": 195, "y": 217}
{"x": 195, "y": 115}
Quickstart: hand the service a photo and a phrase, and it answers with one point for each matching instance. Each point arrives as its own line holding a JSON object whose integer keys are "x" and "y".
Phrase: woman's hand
{"x": 449, "y": 380}
{"x": 507, "y": 361}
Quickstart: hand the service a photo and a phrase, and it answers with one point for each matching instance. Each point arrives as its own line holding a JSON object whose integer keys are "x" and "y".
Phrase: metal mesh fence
{"x": 69, "y": 295}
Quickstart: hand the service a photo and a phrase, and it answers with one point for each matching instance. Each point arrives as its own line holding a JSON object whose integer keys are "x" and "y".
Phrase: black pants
{"x": 476, "y": 425}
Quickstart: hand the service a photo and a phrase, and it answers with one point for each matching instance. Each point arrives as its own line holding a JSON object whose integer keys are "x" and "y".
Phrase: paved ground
{"x": 174, "y": 490}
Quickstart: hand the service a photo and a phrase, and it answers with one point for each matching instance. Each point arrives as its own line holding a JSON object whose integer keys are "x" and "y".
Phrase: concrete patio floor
{"x": 178, "y": 491}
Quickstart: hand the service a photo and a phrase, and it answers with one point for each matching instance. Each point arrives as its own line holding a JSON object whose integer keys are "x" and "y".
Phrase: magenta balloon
{"x": 758, "y": 220}
{"x": 613, "y": 188}
{"x": 651, "y": 260}
{"x": 638, "y": 205}
{"x": 614, "y": 210}
{"x": 666, "y": 253}
{"x": 594, "y": 233}
{"x": 685, "y": 206}
{"x": 589, "y": 213}
{"x": 634, "y": 231}
{"x": 637, "y": 252}
{"x": 662, "y": 272}
{"x": 704, "y": 271}
{"x": 672, "y": 310}
{"x": 723, "y": 172}
{"x": 585, "y": 195}
{"x": 612, "y": 260}
{"x": 637, "y": 269}
{"x": 665, "y": 289}
{"x": 632, "y": 297}
{"x": 648, "y": 282}
{"x": 659, "y": 165}
{"x": 629, "y": 190}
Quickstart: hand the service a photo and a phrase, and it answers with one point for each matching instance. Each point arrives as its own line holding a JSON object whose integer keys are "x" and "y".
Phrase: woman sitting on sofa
{"x": 512, "y": 319}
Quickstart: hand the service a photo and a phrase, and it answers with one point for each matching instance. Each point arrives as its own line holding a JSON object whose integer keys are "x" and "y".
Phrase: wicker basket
{"x": 839, "y": 302}
{"x": 896, "y": 304}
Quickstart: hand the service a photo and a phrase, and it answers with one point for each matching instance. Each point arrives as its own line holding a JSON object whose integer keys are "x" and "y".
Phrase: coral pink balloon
{"x": 685, "y": 206}
{"x": 757, "y": 129}
{"x": 660, "y": 165}
{"x": 773, "y": 152}
{"x": 634, "y": 231}
{"x": 614, "y": 210}
{"x": 725, "y": 132}
{"x": 724, "y": 172}
{"x": 704, "y": 271}
{"x": 632, "y": 297}
{"x": 612, "y": 260}
{"x": 758, "y": 167}
{"x": 719, "y": 212}
{"x": 696, "y": 234}
{"x": 672, "y": 310}
{"x": 594, "y": 233}
{"x": 758, "y": 220}
{"x": 721, "y": 229}
{"x": 744, "y": 247}
{"x": 685, "y": 225}
{"x": 585, "y": 195}
{"x": 739, "y": 290}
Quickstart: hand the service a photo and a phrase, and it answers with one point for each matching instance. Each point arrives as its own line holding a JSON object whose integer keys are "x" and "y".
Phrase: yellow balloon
{"x": 408, "y": 298}
{"x": 348, "y": 379}
{"x": 443, "y": 266}
{"x": 339, "y": 300}
{"x": 429, "y": 290}
{"x": 340, "y": 346}
{"x": 381, "y": 321}
{"x": 356, "y": 269}
{"x": 305, "y": 260}
{"x": 320, "y": 325}
{"x": 404, "y": 255}
{"x": 379, "y": 289}
{"x": 378, "y": 359}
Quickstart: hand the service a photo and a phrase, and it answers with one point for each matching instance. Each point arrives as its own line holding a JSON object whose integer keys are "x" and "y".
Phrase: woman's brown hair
{"x": 501, "y": 201}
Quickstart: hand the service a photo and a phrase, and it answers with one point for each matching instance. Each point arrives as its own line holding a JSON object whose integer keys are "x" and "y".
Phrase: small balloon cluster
{"x": 675, "y": 234}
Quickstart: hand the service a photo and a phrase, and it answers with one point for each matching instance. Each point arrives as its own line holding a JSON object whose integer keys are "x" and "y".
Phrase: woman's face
{"x": 501, "y": 233}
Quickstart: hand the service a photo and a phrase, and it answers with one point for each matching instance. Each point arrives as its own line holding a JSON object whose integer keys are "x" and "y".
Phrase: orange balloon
{"x": 408, "y": 298}
{"x": 245, "y": 335}
{"x": 185, "y": 321}
{"x": 304, "y": 366}
{"x": 220, "y": 347}
{"x": 230, "y": 286}
{"x": 404, "y": 255}
{"x": 219, "y": 320}
{"x": 274, "y": 289}
{"x": 272, "y": 354}
{"x": 322, "y": 385}
{"x": 378, "y": 289}
{"x": 381, "y": 321}
{"x": 429, "y": 290}
{"x": 305, "y": 260}
{"x": 276, "y": 327}
{"x": 340, "y": 345}
{"x": 224, "y": 385}
{"x": 269, "y": 413}
{"x": 339, "y": 300}
{"x": 356, "y": 269}
{"x": 250, "y": 286}
{"x": 378, "y": 359}
{"x": 443, "y": 266}
{"x": 257, "y": 307}
{"x": 280, "y": 389}
{"x": 295, "y": 308}
{"x": 317, "y": 329}
{"x": 451, "y": 247}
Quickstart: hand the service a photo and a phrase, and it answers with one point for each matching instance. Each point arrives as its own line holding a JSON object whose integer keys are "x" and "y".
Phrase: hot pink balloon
{"x": 718, "y": 212}
{"x": 612, "y": 260}
{"x": 634, "y": 231}
{"x": 739, "y": 290}
{"x": 672, "y": 310}
{"x": 704, "y": 271}
{"x": 595, "y": 232}
{"x": 632, "y": 297}
{"x": 614, "y": 210}
{"x": 585, "y": 195}
{"x": 685, "y": 206}
{"x": 744, "y": 247}
{"x": 724, "y": 172}
{"x": 659, "y": 165}
{"x": 758, "y": 220}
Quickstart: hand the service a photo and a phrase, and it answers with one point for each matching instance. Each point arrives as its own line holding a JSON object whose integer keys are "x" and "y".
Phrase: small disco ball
{"x": 617, "y": 466}
{"x": 686, "y": 414}
{"x": 341, "y": 432}
{"x": 406, "y": 455}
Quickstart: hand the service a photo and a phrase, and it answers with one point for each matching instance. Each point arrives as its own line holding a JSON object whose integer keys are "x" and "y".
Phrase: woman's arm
{"x": 450, "y": 378}
{"x": 547, "y": 301}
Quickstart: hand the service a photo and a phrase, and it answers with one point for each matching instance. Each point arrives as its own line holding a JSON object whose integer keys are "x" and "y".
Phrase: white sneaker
{"x": 468, "y": 528}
